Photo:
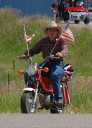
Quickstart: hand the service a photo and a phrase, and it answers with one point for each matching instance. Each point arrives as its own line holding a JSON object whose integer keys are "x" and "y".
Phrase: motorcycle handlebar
{"x": 50, "y": 57}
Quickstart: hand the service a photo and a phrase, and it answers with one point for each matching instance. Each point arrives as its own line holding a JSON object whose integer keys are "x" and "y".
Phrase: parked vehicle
{"x": 42, "y": 92}
{"x": 74, "y": 12}
{"x": 77, "y": 14}
{"x": 90, "y": 12}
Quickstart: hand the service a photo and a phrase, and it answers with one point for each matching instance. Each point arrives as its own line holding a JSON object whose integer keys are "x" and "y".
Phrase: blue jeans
{"x": 56, "y": 71}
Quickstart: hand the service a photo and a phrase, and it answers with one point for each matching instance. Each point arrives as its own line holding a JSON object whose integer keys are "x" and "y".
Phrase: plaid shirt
{"x": 45, "y": 46}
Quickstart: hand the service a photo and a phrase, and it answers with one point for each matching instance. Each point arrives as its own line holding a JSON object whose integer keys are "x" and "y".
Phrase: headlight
{"x": 32, "y": 70}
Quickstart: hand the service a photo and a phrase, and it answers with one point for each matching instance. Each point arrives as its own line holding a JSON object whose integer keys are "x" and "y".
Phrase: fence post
{"x": 13, "y": 63}
{"x": 8, "y": 81}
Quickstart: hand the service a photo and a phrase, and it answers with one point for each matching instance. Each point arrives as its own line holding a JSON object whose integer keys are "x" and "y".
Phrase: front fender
{"x": 29, "y": 89}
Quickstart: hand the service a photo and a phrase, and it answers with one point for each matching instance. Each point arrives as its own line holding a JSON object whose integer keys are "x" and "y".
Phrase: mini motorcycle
{"x": 39, "y": 89}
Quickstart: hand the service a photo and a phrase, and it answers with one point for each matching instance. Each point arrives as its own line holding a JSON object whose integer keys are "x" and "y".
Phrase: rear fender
{"x": 29, "y": 89}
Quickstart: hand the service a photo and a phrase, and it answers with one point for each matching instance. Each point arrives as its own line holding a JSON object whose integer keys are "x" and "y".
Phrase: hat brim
{"x": 45, "y": 28}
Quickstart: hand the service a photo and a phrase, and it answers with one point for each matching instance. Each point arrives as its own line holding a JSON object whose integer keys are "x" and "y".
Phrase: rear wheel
{"x": 56, "y": 109}
{"x": 27, "y": 105}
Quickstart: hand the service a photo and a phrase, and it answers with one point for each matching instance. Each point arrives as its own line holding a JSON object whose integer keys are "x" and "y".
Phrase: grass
{"x": 10, "y": 103}
{"x": 80, "y": 93}
{"x": 12, "y": 44}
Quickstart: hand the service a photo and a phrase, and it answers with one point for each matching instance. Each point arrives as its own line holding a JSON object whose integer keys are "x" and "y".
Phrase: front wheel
{"x": 27, "y": 104}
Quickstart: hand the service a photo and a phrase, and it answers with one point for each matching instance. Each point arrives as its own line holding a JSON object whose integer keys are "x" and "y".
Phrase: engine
{"x": 45, "y": 100}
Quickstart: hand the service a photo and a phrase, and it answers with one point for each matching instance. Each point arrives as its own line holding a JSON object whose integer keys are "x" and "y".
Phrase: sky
{"x": 29, "y": 7}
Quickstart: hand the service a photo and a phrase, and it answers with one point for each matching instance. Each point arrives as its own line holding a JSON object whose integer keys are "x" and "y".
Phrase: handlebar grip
{"x": 53, "y": 57}
{"x": 23, "y": 57}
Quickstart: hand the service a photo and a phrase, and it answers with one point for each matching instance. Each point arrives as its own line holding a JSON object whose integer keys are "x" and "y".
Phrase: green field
{"x": 12, "y": 44}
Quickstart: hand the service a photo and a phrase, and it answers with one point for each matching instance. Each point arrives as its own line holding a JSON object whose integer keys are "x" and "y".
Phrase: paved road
{"x": 46, "y": 121}
{"x": 80, "y": 25}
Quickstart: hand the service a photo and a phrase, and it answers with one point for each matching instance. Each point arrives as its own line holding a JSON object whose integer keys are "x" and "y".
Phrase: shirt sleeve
{"x": 64, "y": 49}
{"x": 37, "y": 48}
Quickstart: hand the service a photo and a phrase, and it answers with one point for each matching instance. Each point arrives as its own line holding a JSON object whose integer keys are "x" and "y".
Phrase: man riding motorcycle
{"x": 52, "y": 44}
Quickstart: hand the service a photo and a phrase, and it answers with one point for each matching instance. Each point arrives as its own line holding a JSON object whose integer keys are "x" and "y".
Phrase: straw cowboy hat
{"x": 52, "y": 24}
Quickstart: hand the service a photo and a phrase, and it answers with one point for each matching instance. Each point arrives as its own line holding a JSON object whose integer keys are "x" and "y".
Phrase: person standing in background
{"x": 54, "y": 8}
{"x": 79, "y": 3}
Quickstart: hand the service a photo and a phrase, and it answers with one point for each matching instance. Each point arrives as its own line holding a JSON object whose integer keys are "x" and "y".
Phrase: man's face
{"x": 52, "y": 32}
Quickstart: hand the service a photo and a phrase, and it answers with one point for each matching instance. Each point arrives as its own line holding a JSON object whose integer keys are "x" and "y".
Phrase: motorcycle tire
{"x": 27, "y": 103}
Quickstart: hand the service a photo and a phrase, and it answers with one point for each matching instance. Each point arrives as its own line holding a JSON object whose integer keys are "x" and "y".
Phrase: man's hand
{"x": 59, "y": 54}
{"x": 22, "y": 57}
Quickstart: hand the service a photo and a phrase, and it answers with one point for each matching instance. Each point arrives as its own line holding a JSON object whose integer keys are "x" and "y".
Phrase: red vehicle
{"x": 39, "y": 77}
{"x": 77, "y": 14}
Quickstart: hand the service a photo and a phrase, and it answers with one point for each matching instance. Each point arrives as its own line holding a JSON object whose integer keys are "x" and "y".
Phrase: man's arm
{"x": 37, "y": 48}
{"x": 64, "y": 51}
